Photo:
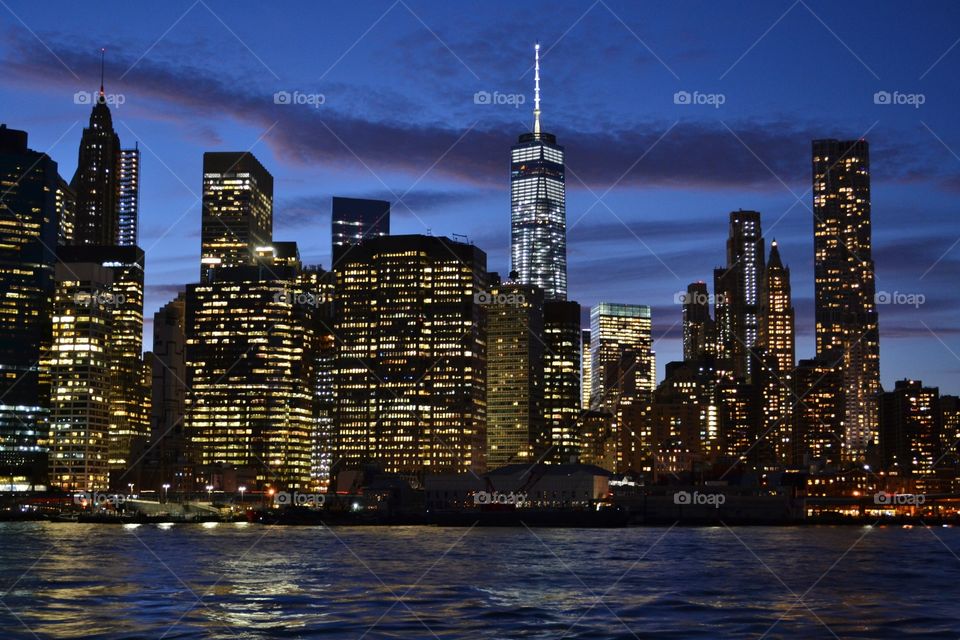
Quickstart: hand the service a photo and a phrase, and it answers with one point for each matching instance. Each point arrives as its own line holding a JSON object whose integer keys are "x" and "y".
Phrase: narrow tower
{"x": 538, "y": 209}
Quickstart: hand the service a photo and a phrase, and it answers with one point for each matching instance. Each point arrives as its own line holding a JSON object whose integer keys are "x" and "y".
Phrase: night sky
{"x": 650, "y": 183}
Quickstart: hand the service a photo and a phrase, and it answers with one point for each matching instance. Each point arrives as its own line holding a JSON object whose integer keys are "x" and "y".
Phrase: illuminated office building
{"x": 128, "y": 202}
{"x": 128, "y": 396}
{"x": 623, "y": 362}
{"x": 249, "y": 403}
{"x": 96, "y": 181}
{"x": 29, "y": 225}
{"x": 79, "y": 365}
{"x": 237, "y": 210}
{"x": 356, "y": 219}
{"x": 698, "y": 330}
{"x": 950, "y": 429}
{"x": 844, "y": 287}
{"x": 911, "y": 428}
{"x": 411, "y": 369}
{"x": 737, "y": 287}
{"x": 515, "y": 378}
{"x": 561, "y": 378}
{"x": 538, "y": 209}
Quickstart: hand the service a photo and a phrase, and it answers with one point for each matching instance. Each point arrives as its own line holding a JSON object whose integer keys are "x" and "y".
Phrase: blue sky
{"x": 650, "y": 182}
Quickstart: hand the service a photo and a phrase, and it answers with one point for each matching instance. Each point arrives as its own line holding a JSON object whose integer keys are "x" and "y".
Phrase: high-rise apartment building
{"x": 844, "y": 287}
{"x": 561, "y": 378}
{"x": 911, "y": 428}
{"x": 698, "y": 330}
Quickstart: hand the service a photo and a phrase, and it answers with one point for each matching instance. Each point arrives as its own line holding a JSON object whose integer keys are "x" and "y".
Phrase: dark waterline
{"x": 233, "y": 581}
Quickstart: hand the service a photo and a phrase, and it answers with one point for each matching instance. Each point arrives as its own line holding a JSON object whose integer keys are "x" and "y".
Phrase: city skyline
{"x": 464, "y": 192}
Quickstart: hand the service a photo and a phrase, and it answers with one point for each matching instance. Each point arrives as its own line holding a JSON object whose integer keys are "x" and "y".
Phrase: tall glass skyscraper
{"x": 356, "y": 219}
{"x": 538, "y": 209}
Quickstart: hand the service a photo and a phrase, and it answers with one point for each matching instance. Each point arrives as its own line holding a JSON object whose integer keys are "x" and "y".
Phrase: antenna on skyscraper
{"x": 102, "y": 52}
{"x": 536, "y": 88}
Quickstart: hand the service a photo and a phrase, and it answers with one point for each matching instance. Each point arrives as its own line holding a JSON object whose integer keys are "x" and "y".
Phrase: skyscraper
{"x": 515, "y": 410}
{"x": 96, "y": 181}
{"x": 128, "y": 202}
{"x": 777, "y": 352}
{"x": 356, "y": 219}
{"x": 538, "y": 224}
{"x": 623, "y": 361}
{"x": 79, "y": 366}
{"x": 411, "y": 364}
{"x": 29, "y": 228}
{"x": 845, "y": 309}
{"x": 561, "y": 378}
{"x": 586, "y": 371}
{"x": 127, "y": 396}
{"x": 237, "y": 210}
{"x": 249, "y": 400}
{"x": 818, "y": 419}
{"x": 169, "y": 394}
{"x": 911, "y": 428}
{"x": 698, "y": 331}
{"x": 737, "y": 287}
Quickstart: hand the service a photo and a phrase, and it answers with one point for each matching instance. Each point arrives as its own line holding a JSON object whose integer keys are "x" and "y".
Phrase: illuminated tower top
{"x": 536, "y": 89}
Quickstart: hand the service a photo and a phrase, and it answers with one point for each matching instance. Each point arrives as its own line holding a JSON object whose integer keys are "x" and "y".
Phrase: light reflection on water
{"x": 70, "y": 580}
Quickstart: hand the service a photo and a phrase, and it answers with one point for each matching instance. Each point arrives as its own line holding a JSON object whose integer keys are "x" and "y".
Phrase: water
{"x": 234, "y": 581}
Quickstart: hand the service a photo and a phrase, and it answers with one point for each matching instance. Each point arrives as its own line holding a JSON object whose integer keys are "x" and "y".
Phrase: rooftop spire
{"x": 774, "y": 260}
{"x": 102, "y": 52}
{"x": 536, "y": 89}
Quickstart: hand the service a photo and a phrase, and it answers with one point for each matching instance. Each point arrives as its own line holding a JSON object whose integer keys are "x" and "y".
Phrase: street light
{"x": 241, "y": 489}
{"x": 209, "y": 493}
{"x": 165, "y": 488}
{"x": 130, "y": 486}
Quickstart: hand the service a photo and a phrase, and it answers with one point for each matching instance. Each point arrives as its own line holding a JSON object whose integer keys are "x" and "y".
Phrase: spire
{"x": 536, "y": 89}
{"x": 102, "y": 52}
{"x": 774, "y": 256}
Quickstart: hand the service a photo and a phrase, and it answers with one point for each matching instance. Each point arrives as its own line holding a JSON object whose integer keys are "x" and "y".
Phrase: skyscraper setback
{"x": 538, "y": 209}
{"x": 845, "y": 309}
